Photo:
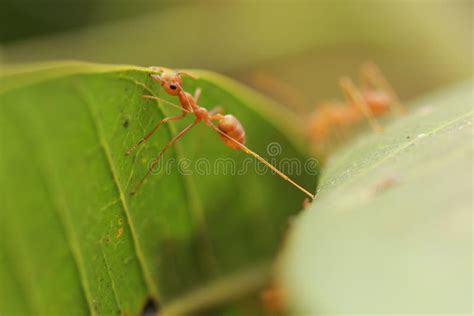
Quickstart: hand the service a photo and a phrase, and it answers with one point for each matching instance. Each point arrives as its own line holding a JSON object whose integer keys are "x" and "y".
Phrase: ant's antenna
{"x": 259, "y": 158}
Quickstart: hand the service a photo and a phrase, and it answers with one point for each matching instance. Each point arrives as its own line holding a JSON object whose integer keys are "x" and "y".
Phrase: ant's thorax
{"x": 187, "y": 101}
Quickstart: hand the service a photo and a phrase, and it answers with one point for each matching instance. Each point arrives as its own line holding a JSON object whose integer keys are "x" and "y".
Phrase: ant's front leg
{"x": 153, "y": 130}
{"x": 162, "y": 152}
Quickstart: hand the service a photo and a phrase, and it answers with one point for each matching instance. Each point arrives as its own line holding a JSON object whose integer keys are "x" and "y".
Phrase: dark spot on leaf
{"x": 125, "y": 124}
{"x": 150, "y": 308}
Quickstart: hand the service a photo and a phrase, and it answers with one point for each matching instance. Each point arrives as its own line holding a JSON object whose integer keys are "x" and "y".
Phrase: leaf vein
{"x": 109, "y": 273}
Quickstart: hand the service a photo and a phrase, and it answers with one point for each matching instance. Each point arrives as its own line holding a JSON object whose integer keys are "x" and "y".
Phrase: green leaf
{"x": 390, "y": 231}
{"x": 73, "y": 241}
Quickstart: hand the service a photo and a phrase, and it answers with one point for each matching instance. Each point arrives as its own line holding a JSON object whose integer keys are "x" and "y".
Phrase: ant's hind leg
{"x": 372, "y": 75}
{"x": 240, "y": 146}
{"x": 355, "y": 98}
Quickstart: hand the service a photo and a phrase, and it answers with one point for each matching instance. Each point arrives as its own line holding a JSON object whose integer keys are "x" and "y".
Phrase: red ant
{"x": 374, "y": 98}
{"x": 228, "y": 126}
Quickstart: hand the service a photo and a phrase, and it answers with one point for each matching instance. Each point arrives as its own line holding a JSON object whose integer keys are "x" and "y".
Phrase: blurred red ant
{"x": 373, "y": 98}
{"x": 228, "y": 127}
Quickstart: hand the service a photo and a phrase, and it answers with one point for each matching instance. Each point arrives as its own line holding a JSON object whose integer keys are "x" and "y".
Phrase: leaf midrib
{"x": 188, "y": 186}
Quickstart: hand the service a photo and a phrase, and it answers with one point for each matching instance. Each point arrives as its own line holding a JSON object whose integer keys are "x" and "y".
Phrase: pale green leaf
{"x": 391, "y": 228}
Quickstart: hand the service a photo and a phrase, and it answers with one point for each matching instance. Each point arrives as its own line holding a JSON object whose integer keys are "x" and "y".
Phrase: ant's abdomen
{"x": 232, "y": 127}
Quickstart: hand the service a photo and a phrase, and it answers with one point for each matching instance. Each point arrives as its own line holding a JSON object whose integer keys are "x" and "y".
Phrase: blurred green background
{"x": 293, "y": 51}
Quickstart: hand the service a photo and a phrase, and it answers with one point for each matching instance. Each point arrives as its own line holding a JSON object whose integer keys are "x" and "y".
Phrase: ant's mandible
{"x": 228, "y": 127}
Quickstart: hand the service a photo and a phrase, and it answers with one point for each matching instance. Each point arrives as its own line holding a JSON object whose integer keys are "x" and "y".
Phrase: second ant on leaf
{"x": 374, "y": 97}
{"x": 228, "y": 126}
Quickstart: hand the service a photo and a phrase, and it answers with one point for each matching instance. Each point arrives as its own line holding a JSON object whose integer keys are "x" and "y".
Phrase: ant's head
{"x": 170, "y": 81}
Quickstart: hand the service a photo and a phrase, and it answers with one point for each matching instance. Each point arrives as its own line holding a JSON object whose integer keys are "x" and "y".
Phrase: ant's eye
{"x": 172, "y": 87}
